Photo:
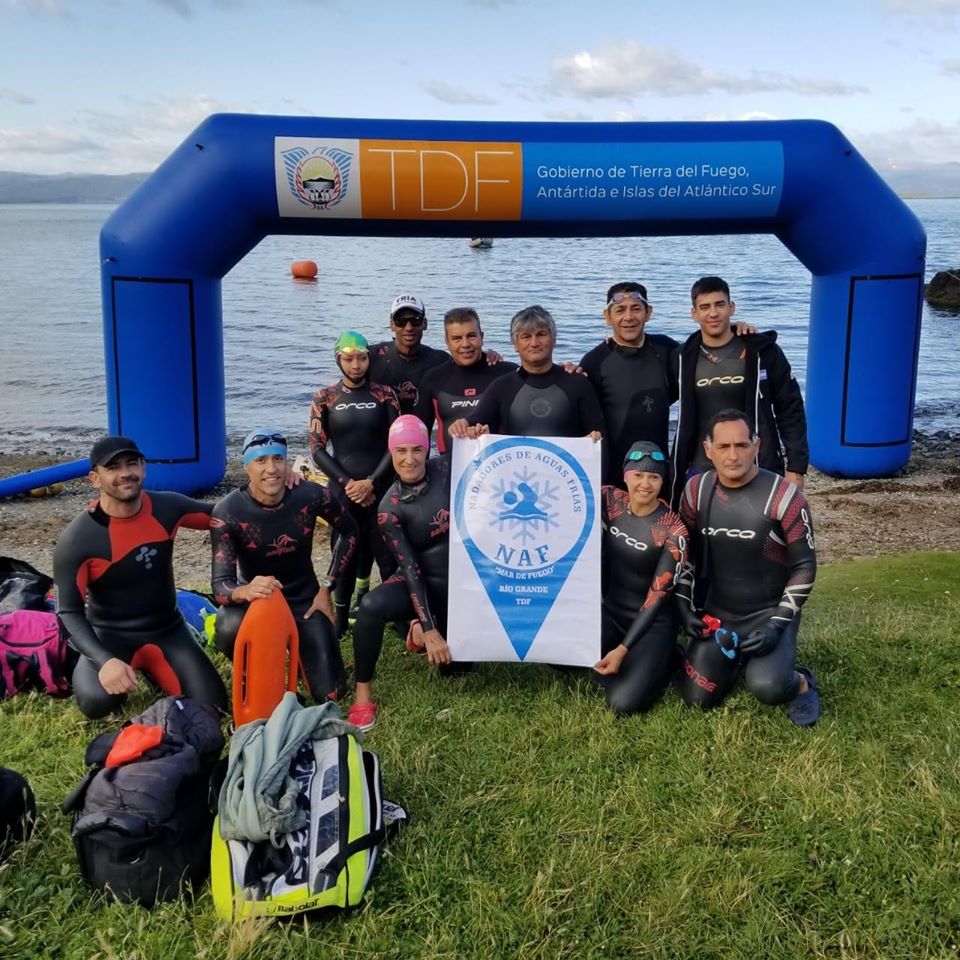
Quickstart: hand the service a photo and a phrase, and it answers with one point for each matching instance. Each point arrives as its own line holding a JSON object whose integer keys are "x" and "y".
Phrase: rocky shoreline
{"x": 917, "y": 509}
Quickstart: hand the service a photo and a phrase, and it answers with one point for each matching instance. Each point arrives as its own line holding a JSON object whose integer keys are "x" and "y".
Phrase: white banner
{"x": 525, "y": 550}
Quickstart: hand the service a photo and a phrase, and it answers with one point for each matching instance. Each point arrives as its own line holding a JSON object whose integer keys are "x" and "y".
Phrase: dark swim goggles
{"x": 655, "y": 455}
{"x": 622, "y": 295}
{"x": 261, "y": 439}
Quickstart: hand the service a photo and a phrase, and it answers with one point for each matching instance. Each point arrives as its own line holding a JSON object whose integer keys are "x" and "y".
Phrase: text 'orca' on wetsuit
{"x": 403, "y": 372}
{"x": 720, "y": 384}
{"x": 551, "y": 404}
{"x": 356, "y": 421}
{"x": 451, "y": 391}
{"x": 754, "y": 545}
{"x": 642, "y": 560}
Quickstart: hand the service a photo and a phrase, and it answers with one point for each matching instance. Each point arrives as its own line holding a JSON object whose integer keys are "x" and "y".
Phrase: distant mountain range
{"x": 931, "y": 180}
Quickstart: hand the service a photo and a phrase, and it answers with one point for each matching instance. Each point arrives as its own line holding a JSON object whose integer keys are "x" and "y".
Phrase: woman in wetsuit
{"x": 643, "y": 551}
{"x": 353, "y": 417}
{"x": 415, "y": 520}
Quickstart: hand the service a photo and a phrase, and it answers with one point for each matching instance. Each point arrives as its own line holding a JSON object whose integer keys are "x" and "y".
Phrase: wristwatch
{"x": 328, "y": 583}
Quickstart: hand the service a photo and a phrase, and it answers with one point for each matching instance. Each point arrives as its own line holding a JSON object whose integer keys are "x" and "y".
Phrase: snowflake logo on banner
{"x": 527, "y": 506}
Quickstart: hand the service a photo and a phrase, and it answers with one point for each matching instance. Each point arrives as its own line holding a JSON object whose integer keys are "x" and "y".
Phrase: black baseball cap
{"x": 106, "y": 448}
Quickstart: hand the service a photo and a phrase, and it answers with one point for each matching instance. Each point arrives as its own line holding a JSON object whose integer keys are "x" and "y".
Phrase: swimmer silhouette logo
{"x": 525, "y": 509}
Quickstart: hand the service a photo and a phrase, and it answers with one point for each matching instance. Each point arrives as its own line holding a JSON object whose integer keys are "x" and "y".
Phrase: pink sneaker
{"x": 363, "y": 715}
{"x": 413, "y": 645}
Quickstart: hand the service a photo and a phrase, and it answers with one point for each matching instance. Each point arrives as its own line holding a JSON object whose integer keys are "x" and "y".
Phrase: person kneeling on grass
{"x": 267, "y": 530}
{"x": 644, "y": 550}
{"x": 753, "y": 547}
{"x": 414, "y": 518}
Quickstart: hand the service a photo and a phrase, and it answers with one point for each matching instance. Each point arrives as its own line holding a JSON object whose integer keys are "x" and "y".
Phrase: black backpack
{"x": 18, "y": 810}
{"x": 143, "y": 814}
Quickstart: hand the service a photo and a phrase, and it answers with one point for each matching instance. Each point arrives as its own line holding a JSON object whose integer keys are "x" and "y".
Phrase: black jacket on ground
{"x": 772, "y": 402}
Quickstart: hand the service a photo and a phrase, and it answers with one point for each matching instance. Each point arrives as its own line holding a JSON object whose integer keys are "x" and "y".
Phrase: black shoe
{"x": 804, "y": 708}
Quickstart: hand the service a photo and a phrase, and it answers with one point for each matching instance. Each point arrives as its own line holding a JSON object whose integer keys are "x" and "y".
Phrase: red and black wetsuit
{"x": 404, "y": 372}
{"x": 451, "y": 391}
{"x": 277, "y": 542}
{"x": 551, "y": 404}
{"x": 635, "y": 386}
{"x": 116, "y": 598}
{"x": 356, "y": 421}
{"x": 415, "y": 521}
{"x": 754, "y": 562}
{"x": 642, "y": 558}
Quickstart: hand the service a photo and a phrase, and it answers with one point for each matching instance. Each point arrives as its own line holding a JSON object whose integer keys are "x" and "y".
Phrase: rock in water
{"x": 943, "y": 290}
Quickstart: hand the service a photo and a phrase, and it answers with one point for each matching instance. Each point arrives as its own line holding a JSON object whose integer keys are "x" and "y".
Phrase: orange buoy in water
{"x": 304, "y": 269}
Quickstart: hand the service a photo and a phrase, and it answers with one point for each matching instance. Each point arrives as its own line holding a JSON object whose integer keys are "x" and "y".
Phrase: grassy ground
{"x": 543, "y": 828}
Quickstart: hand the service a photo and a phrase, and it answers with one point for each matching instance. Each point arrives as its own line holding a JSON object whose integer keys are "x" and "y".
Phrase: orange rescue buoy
{"x": 266, "y": 658}
{"x": 304, "y": 269}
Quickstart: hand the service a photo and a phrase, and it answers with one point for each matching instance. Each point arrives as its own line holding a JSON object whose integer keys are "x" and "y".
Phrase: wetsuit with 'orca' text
{"x": 642, "y": 559}
{"x": 754, "y": 563}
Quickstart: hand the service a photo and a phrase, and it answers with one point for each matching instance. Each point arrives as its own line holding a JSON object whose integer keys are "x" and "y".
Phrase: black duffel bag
{"x": 18, "y": 810}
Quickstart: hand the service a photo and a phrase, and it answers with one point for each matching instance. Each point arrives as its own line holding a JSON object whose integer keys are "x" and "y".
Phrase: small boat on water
{"x": 481, "y": 243}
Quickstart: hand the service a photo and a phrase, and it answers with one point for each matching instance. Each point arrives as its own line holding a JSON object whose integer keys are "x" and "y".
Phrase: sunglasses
{"x": 635, "y": 295}
{"x": 261, "y": 439}
{"x": 655, "y": 455}
{"x": 415, "y": 321}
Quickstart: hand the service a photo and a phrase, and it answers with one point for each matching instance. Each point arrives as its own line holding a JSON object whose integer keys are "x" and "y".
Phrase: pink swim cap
{"x": 408, "y": 430}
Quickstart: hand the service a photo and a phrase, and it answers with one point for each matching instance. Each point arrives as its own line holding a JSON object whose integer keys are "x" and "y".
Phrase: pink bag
{"x": 33, "y": 655}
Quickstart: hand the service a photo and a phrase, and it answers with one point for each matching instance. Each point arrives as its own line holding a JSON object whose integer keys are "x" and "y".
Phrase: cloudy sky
{"x": 111, "y": 86}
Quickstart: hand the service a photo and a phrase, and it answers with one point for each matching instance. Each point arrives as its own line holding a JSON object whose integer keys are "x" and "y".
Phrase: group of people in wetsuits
{"x": 714, "y": 543}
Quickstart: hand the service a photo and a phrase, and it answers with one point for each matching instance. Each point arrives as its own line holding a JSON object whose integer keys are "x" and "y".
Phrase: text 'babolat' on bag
{"x": 301, "y": 816}
{"x": 143, "y": 815}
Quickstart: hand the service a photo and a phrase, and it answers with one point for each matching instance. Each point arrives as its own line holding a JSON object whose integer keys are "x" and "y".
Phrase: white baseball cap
{"x": 407, "y": 301}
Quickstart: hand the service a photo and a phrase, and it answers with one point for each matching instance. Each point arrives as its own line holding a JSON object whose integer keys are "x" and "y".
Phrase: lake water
{"x": 279, "y": 333}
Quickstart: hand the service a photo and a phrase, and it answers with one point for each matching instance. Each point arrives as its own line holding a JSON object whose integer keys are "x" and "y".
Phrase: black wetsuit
{"x": 123, "y": 569}
{"x": 402, "y": 372}
{"x": 356, "y": 421}
{"x": 415, "y": 521}
{"x": 768, "y": 394}
{"x": 551, "y": 404}
{"x": 277, "y": 542}
{"x": 635, "y": 386}
{"x": 451, "y": 391}
{"x": 642, "y": 560}
{"x": 755, "y": 562}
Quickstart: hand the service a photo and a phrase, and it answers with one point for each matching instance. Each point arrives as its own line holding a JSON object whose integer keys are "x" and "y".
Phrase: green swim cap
{"x": 351, "y": 342}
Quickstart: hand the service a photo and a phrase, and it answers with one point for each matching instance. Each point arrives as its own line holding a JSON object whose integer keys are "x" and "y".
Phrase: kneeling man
{"x": 267, "y": 530}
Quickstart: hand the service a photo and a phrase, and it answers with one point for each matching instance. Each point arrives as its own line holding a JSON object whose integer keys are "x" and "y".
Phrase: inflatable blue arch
{"x": 239, "y": 178}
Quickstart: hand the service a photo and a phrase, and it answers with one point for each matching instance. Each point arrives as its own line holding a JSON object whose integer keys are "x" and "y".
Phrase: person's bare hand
{"x": 117, "y": 677}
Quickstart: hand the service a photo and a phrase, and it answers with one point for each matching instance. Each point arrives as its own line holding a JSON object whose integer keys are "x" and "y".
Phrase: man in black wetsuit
{"x": 643, "y": 551}
{"x": 403, "y": 362}
{"x": 113, "y": 567}
{"x": 266, "y": 530}
{"x": 754, "y": 564}
{"x": 415, "y": 520}
{"x": 451, "y": 390}
{"x": 632, "y": 376}
{"x": 353, "y": 416}
{"x": 540, "y": 399}
{"x": 717, "y": 371}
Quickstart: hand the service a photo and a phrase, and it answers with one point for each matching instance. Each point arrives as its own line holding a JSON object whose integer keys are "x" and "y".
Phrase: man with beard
{"x": 113, "y": 569}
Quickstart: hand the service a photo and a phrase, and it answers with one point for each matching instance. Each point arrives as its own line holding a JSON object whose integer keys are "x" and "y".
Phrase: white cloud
{"x": 460, "y": 96}
{"x": 931, "y": 11}
{"x": 44, "y": 141}
{"x": 56, "y": 8}
{"x": 15, "y": 96}
{"x": 921, "y": 142}
{"x": 568, "y": 116}
{"x": 951, "y": 67}
{"x": 629, "y": 69}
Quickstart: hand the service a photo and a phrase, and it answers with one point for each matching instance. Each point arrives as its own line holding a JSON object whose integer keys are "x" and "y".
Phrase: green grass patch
{"x": 542, "y": 827}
